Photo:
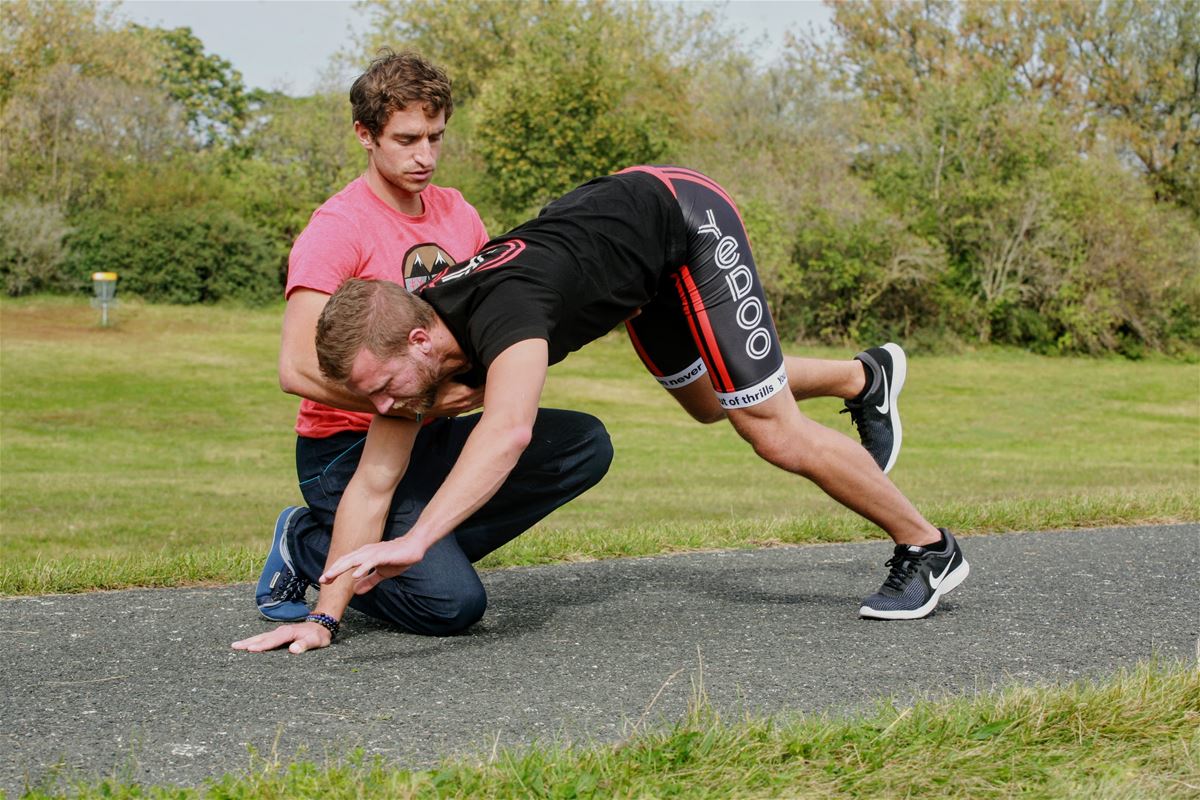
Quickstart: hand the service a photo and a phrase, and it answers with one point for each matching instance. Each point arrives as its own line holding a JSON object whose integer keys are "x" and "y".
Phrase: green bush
{"x": 31, "y": 246}
{"x": 1129, "y": 281}
{"x": 185, "y": 255}
{"x": 859, "y": 277}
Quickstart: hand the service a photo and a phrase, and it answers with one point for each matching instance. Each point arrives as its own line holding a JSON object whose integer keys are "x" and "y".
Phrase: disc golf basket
{"x": 104, "y": 291}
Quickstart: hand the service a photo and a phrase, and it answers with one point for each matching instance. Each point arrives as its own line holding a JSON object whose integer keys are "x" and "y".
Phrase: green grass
{"x": 1134, "y": 735}
{"x": 158, "y": 451}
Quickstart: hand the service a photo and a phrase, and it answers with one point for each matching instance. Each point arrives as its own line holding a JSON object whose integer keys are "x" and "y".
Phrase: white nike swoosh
{"x": 887, "y": 397}
{"x": 934, "y": 584}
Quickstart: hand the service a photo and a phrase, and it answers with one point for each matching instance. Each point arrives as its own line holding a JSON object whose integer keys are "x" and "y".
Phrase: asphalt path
{"x": 142, "y": 685}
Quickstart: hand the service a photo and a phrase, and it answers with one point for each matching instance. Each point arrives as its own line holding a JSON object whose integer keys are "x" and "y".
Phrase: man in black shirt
{"x": 662, "y": 249}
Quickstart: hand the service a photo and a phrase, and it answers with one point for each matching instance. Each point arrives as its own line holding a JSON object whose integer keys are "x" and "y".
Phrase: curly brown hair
{"x": 392, "y": 82}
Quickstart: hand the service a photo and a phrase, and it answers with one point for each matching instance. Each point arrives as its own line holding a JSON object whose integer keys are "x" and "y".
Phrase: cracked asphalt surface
{"x": 142, "y": 684}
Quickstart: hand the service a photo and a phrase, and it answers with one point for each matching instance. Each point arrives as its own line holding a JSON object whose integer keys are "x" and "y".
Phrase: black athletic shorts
{"x": 710, "y": 315}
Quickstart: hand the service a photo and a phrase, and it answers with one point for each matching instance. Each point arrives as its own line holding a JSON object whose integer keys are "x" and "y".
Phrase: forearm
{"x": 295, "y": 379}
{"x": 363, "y": 510}
{"x": 360, "y": 520}
{"x": 514, "y": 384}
{"x": 491, "y": 452}
{"x": 487, "y": 459}
{"x": 299, "y": 369}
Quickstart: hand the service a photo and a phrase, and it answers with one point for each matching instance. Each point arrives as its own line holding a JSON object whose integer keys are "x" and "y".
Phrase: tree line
{"x": 1025, "y": 173}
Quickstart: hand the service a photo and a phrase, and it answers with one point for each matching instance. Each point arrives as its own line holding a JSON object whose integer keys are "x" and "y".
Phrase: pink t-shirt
{"x": 357, "y": 235}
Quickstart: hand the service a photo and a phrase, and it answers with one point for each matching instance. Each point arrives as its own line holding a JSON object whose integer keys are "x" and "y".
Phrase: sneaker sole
{"x": 290, "y": 616}
{"x": 950, "y": 582}
{"x": 899, "y": 374}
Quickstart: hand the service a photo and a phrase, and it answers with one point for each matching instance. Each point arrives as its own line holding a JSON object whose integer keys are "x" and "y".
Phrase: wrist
{"x": 329, "y": 623}
{"x": 418, "y": 538}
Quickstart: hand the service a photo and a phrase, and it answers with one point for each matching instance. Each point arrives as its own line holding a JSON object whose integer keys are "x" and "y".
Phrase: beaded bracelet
{"x": 325, "y": 621}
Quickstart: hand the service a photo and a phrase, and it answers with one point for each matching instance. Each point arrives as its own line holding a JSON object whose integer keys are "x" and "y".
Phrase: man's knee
{"x": 452, "y": 615}
{"x": 454, "y": 608}
{"x": 575, "y": 446}
{"x": 463, "y": 612}
{"x": 781, "y": 435}
{"x": 597, "y": 451}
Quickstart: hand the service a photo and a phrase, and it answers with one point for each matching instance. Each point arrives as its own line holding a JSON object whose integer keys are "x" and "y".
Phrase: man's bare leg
{"x": 783, "y": 436}
{"x": 926, "y": 562}
{"x": 807, "y": 377}
{"x": 820, "y": 377}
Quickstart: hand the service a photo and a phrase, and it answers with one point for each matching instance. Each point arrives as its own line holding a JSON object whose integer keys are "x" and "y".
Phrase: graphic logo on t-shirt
{"x": 422, "y": 262}
{"x": 486, "y": 259}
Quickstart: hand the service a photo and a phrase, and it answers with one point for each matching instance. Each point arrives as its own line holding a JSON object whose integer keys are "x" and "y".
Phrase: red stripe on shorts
{"x": 702, "y": 330}
{"x": 641, "y": 351}
{"x": 679, "y": 173}
{"x": 655, "y": 171}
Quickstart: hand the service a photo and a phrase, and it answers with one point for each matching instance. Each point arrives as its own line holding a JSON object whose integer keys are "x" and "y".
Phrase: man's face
{"x": 406, "y": 152}
{"x": 406, "y": 382}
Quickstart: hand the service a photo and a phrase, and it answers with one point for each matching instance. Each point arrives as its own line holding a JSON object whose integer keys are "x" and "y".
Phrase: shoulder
{"x": 444, "y": 200}
{"x": 346, "y": 205}
{"x": 330, "y": 248}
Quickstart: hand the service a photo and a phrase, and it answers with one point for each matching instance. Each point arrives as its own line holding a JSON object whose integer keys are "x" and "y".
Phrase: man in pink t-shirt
{"x": 392, "y": 223}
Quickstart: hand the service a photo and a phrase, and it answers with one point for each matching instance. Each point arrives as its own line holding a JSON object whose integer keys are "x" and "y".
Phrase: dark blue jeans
{"x": 569, "y": 453}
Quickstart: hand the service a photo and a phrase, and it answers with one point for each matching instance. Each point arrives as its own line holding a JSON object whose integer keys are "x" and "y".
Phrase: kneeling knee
{"x": 597, "y": 452}
{"x": 463, "y": 612}
{"x": 446, "y": 617}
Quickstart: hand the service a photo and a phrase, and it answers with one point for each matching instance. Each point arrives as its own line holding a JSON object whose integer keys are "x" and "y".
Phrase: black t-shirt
{"x": 576, "y": 271}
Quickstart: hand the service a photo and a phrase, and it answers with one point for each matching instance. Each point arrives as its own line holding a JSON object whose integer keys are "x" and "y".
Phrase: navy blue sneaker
{"x": 280, "y": 591}
{"x": 875, "y": 412}
{"x": 919, "y": 576}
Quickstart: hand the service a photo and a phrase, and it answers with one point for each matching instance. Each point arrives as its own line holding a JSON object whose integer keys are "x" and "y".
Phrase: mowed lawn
{"x": 159, "y": 450}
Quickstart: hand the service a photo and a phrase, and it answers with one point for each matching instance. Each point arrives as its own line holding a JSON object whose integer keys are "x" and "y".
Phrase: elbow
{"x": 290, "y": 380}
{"x": 517, "y": 439}
{"x": 287, "y": 384}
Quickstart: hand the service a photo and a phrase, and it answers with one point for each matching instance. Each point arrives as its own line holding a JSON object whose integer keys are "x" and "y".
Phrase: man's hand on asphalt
{"x": 373, "y": 563}
{"x": 299, "y": 637}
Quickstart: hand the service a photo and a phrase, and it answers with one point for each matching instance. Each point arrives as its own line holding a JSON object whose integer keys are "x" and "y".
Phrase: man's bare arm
{"x": 300, "y": 374}
{"x": 514, "y": 387}
{"x": 360, "y": 520}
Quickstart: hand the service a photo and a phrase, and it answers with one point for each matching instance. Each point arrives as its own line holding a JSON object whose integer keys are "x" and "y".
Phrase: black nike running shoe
{"x": 919, "y": 576}
{"x": 874, "y": 412}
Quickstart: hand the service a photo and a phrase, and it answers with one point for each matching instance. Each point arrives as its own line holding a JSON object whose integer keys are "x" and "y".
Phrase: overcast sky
{"x": 286, "y": 44}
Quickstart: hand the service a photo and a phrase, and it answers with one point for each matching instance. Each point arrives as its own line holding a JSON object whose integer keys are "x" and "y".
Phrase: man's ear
{"x": 364, "y": 136}
{"x": 421, "y": 340}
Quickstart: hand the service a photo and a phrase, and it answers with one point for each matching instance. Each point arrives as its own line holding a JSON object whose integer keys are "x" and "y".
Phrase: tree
{"x": 209, "y": 89}
{"x": 551, "y": 92}
{"x": 1127, "y": 70}
{"x": 78, "y": 95}
{"x": 36, "y": 35}
{"x": 303, "y": 150}
{"x": 585, "y": 93}
{"x": 470, "y": 39}
{"x": 1141, "y": 64}
{"x": 890, "y": 51}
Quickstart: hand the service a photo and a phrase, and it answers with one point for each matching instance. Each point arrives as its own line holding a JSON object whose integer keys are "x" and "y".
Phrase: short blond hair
{"x": 376, "y": 316}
